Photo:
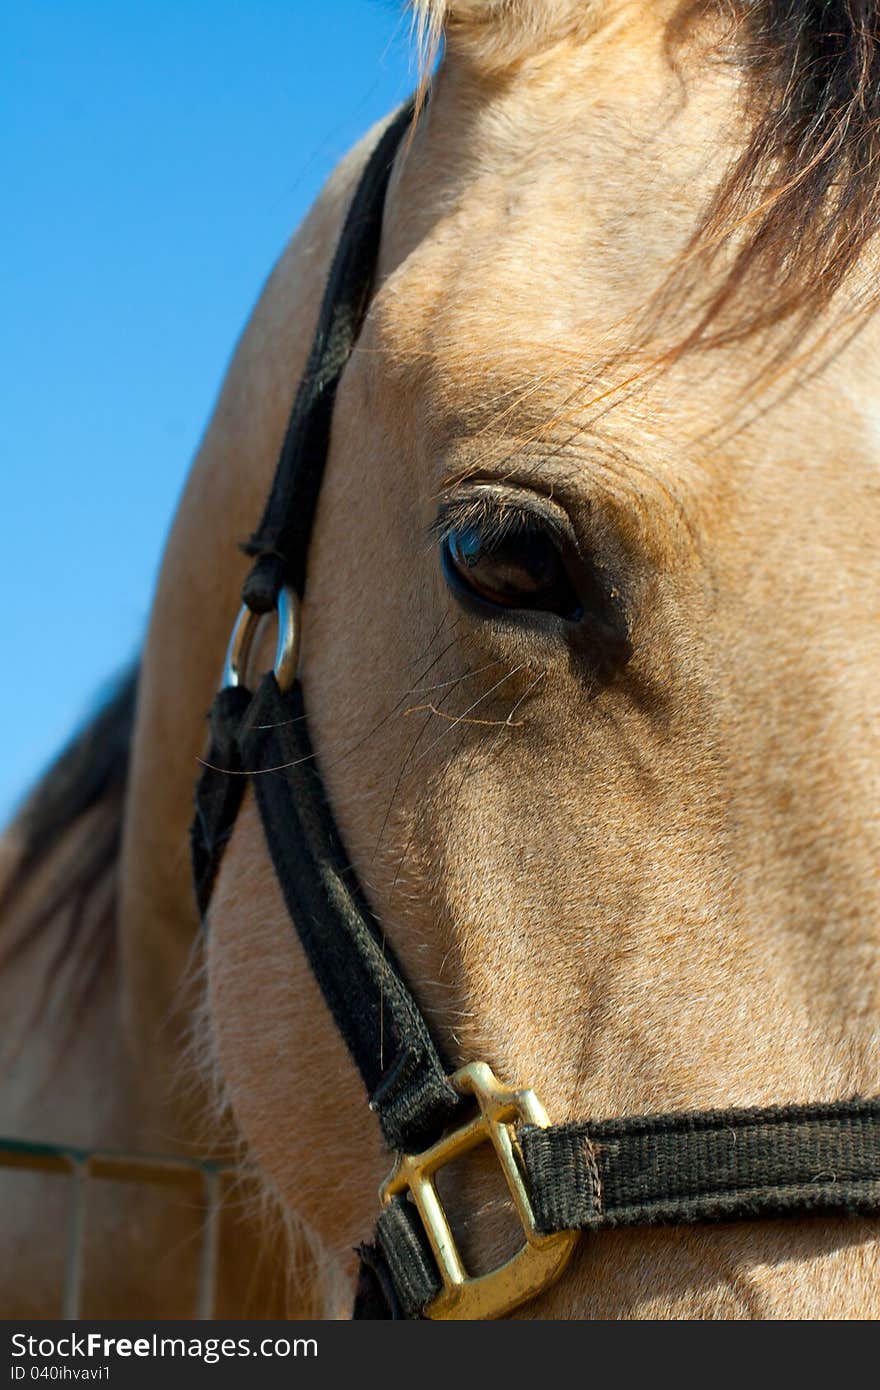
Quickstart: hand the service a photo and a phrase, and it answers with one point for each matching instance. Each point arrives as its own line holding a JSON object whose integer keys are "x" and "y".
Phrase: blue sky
{"x": 155, "y": 157}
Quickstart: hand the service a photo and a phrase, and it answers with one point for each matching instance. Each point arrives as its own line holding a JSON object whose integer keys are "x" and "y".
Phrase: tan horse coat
{"x": 654, "y": 892}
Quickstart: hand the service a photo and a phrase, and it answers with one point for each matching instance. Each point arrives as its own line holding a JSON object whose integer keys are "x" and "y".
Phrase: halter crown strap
{"x": 281, "y": 541}
{"x": 649, "y": 1170}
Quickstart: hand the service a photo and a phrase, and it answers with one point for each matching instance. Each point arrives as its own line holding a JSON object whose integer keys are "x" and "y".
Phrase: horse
{"x": 590, "y": 647}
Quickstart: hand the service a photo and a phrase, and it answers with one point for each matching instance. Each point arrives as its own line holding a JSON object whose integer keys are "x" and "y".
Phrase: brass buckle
{"x": 540, "y": 1260}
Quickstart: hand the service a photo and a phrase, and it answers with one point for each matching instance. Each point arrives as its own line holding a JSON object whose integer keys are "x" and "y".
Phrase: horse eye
{"x": 517, "y": 566}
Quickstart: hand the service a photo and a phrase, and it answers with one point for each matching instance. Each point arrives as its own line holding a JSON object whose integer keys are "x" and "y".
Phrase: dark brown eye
{"x": 517, "y": 565}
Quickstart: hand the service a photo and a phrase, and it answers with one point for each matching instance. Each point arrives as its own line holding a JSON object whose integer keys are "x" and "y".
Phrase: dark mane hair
{"x": 84, "y": 786}
{"x": 803, "y": 198}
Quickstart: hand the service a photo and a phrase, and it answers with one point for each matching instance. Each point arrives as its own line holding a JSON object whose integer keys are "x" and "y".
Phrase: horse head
{"x": 589, "y": 638}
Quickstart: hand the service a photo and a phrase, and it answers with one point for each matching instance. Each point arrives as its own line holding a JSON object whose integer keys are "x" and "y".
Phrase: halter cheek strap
{"x": 266, "y": 734}
{"x": 649, "y": 1170}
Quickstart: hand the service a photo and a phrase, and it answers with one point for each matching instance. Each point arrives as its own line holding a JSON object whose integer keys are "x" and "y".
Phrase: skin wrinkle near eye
{"x": 592, "y": 479}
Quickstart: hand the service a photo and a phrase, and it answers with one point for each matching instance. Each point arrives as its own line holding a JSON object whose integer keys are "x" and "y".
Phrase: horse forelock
{"x": 799, "y": 204}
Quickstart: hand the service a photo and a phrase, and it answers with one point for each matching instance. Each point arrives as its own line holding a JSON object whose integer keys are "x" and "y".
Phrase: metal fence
{"x": 83, "y": 1166}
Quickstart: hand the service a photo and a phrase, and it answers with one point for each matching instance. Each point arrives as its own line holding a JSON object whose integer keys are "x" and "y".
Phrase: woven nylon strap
{"x": 362, "y": 983}
{"x": 281, "y": 541}
{"x": 264, "y": 739}
{"x": 404, "y": 1074}
{"x": 657, "y": 1170}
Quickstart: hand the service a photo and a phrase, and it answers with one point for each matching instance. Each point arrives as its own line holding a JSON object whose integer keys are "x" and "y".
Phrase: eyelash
{"x": 498, "y": 522}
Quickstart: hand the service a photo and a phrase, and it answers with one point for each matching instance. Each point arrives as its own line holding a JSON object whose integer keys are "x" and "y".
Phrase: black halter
{"x": 650, "y": 1170}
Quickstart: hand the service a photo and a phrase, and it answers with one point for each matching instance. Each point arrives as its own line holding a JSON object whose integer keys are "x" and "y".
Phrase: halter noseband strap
{"x": 650, "y": 1170}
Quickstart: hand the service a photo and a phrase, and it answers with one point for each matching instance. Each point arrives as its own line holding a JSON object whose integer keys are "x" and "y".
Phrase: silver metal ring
{"x": 286, "y": 648}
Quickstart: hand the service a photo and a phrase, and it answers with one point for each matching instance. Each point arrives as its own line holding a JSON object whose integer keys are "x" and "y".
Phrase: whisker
{"x": 404, "y": 765}
{"x": 385, "y": 718}
{"x": 435, "y": 635}
{"x": 255, "y": 771}
{"x": 518, "y": 724}
{"x": 458, "y": 720}
{"x": 468, "y": 764}
{"x": 280, "y": 723}
{"x": 310, "y": 757}
{"x": 427, "y": 689}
